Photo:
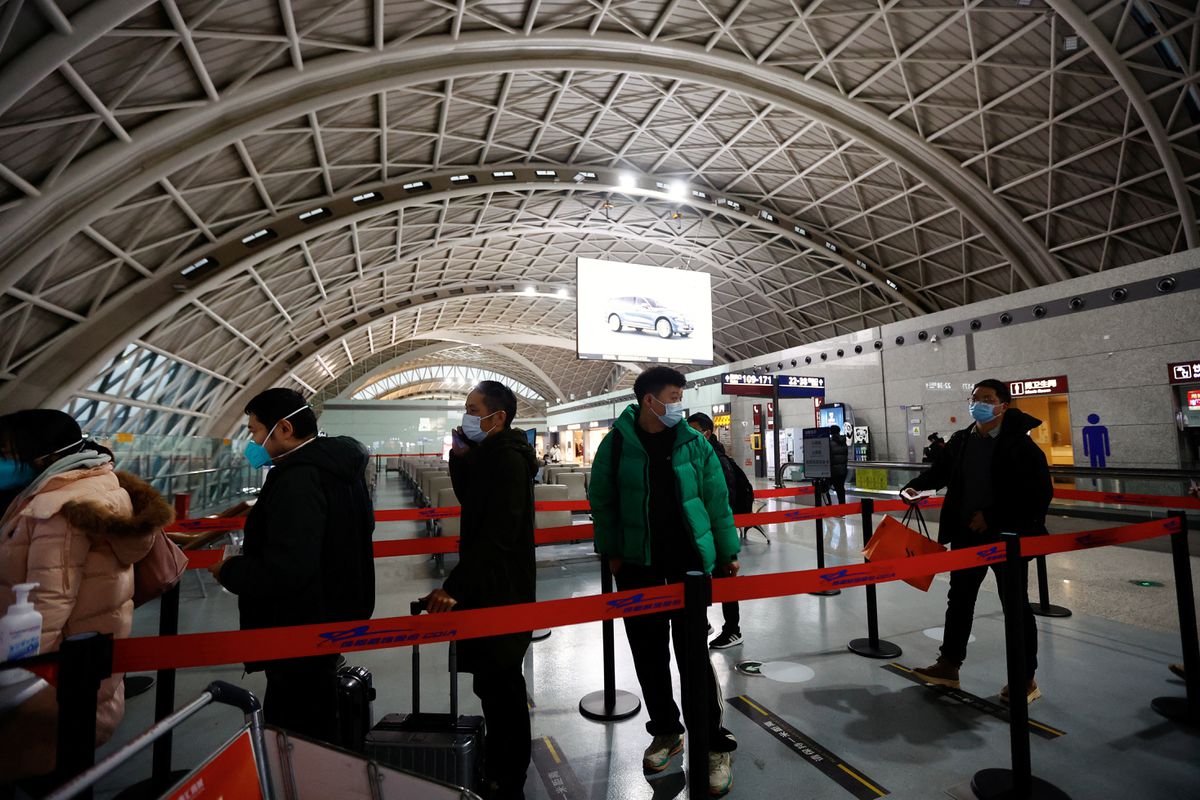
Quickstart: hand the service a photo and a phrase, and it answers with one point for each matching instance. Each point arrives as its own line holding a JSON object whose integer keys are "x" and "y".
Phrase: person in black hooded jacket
{"x": 307, "y": 556}
{"x": 997, "y": 481}
{"x": 492, "y": 466}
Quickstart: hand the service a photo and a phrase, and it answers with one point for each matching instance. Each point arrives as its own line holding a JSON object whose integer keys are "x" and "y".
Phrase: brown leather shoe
{"x": 940, "y": 674}
{"x": 1032, "y": 694}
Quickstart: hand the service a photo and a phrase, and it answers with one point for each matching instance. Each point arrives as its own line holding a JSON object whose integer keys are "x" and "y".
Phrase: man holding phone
{"x": 492, "y": 466}
{"x": 996, "y": 481}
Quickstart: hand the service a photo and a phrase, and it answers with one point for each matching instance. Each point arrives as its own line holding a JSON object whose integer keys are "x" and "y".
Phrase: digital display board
{"x": 748, "y": 384}
{"x": 634, "y": 312}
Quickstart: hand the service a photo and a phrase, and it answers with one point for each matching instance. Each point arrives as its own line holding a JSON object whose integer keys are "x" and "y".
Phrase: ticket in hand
{"x": 232, "y": 550}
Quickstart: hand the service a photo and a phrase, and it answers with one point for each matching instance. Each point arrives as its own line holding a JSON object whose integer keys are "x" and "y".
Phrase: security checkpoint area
{"x": 622, "y": 400}
{"x": 821, "y": 696}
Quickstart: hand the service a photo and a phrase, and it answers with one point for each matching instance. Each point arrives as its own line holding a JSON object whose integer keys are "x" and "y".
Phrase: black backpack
{"x": 741, "y": 500}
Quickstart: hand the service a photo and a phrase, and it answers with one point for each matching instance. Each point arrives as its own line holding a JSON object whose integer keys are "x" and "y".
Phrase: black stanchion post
{"x": 1187, "y": 708}
{"x": 1017, "y": 783}
{"x": 85, "y": 660}
{"x": 164, "y": 698}
{"x": 820, "y": 525}
{"x": 872, "y": 646}
{"x": 697, "y": 596}
{"x": 609, "y": 704}
{"x": 1043, "y": 607}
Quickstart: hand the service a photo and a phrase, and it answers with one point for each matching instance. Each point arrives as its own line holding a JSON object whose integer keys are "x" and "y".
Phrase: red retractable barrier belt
{"x": 900, "y": 505}
{"x": 780, "y": 584}
{"x": 763, "y": 494}
{"x": 1064, "y": 542}
{"x": 797, "y": 514}
{"x": 209, "y": 649}
{"x": 232, "y": 647}
{"x": 1121, "y": 498}
{"x": 206, "y": 524}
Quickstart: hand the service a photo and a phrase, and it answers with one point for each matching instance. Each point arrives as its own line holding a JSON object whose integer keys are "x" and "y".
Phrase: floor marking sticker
{"x": 557, "y": 776}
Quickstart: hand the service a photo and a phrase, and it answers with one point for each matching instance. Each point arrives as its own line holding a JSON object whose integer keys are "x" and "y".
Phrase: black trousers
{"x": 507, "y": 747}
{"x": 302, "y": 697}
{"x": 839, "y": 486}
{"x": 650, "y": 639}
{"x": 960, "y": 611}
{"x": 733, "y": 618}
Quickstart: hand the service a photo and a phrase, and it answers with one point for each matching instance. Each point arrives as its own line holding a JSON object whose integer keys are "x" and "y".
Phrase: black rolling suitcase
{"x": 445, "y": 747}
{"x": 356, "y": 690}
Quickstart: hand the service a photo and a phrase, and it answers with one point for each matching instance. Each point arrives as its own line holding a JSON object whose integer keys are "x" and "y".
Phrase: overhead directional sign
{"x": 800, "y": 386}
{"x": 748, "y": 384}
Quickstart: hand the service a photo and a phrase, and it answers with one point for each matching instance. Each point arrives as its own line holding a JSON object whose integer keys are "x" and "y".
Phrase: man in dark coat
{"x": 307, "y": 556}
{"x": 492, "y": 466}
{"x": 741, "y": 501}
{"x": 997, "y": 481}
{"x": 839, "y": 455}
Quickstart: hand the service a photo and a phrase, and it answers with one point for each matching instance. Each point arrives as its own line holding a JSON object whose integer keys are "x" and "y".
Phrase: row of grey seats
{"x": 432, "y": 487}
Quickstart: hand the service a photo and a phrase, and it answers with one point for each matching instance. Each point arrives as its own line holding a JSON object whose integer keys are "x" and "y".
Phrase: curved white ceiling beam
{"x": 118, "y": 171}
{"x": 274, "y": 372}
{"x": 72, "y": 358}
{"x": 494, "y": 344}
{"x": 1108, "y": 55}
{"x": 31, "y": 67}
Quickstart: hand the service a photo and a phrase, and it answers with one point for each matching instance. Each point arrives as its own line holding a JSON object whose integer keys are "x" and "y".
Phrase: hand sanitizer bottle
{"x": 21, "y": 626}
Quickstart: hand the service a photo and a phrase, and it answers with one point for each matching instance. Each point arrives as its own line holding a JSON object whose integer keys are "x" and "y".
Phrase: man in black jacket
{"x": 307, "y": 554}
{"x": 741, "y": 501}
{"x": 997, "y": 481}
{"x": 492, "y": 466}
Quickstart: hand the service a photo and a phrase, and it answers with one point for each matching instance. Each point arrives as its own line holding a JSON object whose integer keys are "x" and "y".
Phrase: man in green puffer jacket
{"x": 660, "y": 508}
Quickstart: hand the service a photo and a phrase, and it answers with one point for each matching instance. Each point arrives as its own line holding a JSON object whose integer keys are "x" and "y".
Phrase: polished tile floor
{"x": 1099, "y": 670}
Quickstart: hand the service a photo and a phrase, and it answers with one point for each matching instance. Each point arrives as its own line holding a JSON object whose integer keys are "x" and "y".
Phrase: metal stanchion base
{"x": 997, "y": 784}
{"x": 1049, "y": 610}
{"x": 829, "y": 593}
{"x": 881, "y": 648}
{"x": 542, "y": 635}
{"x": 137, "y": 684}
{"x": 625, "y": 705}
{"x": 1175, "y": 709}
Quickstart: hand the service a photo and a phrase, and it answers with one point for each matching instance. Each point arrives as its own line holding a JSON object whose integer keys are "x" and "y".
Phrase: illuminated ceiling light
{"x": 626, "y": 181}
{"x": 677, "y": 190}
{"x": 530, "y": 290}
{"x": 563, "y": 293}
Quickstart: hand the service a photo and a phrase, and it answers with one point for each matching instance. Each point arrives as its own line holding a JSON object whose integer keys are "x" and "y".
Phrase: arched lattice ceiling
{"x": 960, "y": 152}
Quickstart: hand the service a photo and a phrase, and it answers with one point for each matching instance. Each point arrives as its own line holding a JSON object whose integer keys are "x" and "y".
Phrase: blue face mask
{"x": 257, "y": 453}
{"x": 672, "y": 412}
{"x": 473, "y": 427}
{"x": 982, "y": 413}
{"x": 15, "y": 474}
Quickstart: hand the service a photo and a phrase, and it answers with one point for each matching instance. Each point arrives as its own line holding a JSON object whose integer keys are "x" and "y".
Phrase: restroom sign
{"x": 1039, "y": 386}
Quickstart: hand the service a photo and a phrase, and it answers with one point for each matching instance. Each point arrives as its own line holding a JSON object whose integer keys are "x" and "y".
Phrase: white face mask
{"x": 672, "y": 412}
{"x": 473, "y": 427}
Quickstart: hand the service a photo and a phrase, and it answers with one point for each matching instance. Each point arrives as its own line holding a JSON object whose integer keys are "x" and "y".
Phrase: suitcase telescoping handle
{"x": 416, "y": 607}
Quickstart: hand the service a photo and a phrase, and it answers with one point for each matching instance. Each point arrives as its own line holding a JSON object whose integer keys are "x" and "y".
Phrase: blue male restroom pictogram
{"x": 1095, "y": 441}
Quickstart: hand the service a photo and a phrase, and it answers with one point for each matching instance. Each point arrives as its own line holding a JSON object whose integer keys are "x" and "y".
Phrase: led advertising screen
{"x": 632, "y": 312}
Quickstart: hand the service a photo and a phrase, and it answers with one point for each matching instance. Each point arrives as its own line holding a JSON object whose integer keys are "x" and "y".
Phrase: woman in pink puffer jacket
{"x": 76, "y": 527}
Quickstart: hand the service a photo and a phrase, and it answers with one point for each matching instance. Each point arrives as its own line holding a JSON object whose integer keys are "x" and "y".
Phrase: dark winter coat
{"x": 839, "y": 455}
{"x": 1021, "y": 485}
{"x": 308, "y": 556}
{"x": 741, "y": 492}
{"x": 494, "y": 485}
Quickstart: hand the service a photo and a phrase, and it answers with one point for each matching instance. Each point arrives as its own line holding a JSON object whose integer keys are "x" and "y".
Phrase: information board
{"x": 816, "y": 453}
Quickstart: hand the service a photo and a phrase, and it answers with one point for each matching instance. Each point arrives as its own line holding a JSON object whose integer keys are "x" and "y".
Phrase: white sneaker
{"x": 720, "y": 774}
{"x": 660, "y": 752}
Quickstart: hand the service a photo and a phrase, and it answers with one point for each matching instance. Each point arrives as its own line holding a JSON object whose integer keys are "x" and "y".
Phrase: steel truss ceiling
{"x": 961, "y": 151}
